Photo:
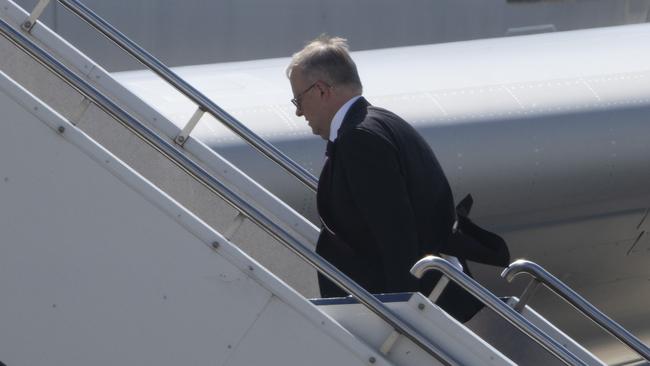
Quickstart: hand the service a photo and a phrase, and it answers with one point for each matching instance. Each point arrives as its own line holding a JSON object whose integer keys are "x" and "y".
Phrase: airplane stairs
{"x": 122, "y": 244}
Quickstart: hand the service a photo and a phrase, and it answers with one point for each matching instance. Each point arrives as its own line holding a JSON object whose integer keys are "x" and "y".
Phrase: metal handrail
{"x": 178, "y": 157}
{"x": 538, "y": 273}
{"x": 203, "y": 102}
{"x": 549, "y": 344}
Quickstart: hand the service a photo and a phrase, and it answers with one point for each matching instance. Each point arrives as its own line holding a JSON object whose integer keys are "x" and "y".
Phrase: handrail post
{"x": 549, "y": 344}
{"x": 565, "y": 292}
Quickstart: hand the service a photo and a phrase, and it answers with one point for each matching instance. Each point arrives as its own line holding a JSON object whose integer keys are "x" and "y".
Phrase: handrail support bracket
{"x": 29, "y": 23}
{"x": 527, "y": 295}
{"x": 182, "y": 137}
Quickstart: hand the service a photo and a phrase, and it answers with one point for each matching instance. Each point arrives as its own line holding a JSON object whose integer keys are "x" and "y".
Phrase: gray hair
{"x": 327, "y": 58}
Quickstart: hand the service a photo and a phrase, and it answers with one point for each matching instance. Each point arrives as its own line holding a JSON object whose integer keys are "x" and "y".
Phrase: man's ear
{"x": 325, "y": 90}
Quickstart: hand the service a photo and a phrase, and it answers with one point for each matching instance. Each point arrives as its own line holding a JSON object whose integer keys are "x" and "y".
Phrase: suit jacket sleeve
{"x": 372, "y": 170}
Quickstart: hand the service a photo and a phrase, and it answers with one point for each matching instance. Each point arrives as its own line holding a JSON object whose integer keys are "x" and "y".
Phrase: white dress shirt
{"x": 338, "y": 117}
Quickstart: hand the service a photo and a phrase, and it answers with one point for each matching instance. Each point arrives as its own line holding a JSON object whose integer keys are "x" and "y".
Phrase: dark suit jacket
{"x": 385, "y": 203}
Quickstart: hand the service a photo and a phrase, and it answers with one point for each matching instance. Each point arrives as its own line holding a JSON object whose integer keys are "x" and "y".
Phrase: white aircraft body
{"x": 550, "y": 133}
{"x": 194, "y": 32}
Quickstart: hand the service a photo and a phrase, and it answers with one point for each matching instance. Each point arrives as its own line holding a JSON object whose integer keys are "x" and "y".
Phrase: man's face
{"x": 311, "y": 102}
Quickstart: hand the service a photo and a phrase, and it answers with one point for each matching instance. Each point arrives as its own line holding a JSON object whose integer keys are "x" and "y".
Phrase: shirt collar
{"x": 339, "y": 116}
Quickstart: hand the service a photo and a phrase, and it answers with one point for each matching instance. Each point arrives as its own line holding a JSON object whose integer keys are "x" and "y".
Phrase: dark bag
{"x": 470, "y": 242}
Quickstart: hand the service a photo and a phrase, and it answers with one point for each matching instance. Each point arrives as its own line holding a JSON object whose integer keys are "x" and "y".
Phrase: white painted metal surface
{"x": 97, "y": 266}
{"x": 462, "y": 344}
{"x": 522, "y": 350}
{"x": 148, "y": 162}
{"x": 543, "y": 324}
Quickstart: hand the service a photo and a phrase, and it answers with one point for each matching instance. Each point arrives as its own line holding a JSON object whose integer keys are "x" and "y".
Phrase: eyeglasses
{"x": 297, "y": 99}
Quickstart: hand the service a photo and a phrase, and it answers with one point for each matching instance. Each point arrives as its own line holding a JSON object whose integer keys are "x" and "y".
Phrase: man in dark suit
{"x": 383, "y": 198}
